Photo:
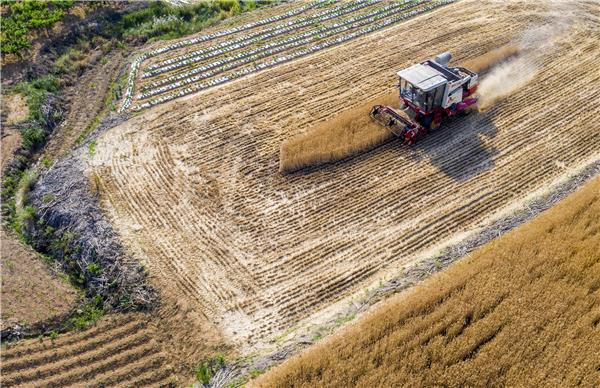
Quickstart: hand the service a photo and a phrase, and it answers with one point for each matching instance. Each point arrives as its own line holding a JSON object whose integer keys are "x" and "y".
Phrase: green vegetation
{"x": 25, "y": 16}
{"x": 163, "y": 21}
{"x": 37, "y": 93}
{"x": 94, "y": 269}
{"x": 34, "y": 131}
{"x": 24, "y": 216}
{"x": 204, "y": 371}
{"x": 92, "y": 147}
{"x": 88, "y": 314}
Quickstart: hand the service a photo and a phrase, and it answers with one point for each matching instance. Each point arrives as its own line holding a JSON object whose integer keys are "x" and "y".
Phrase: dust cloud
{"x": 520, "y": 69}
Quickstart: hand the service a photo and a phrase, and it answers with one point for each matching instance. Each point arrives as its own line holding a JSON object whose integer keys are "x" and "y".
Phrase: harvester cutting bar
{"x": 398, "y": 122}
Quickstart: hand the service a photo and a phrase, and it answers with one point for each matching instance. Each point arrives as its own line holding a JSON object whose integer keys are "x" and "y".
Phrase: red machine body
{"x": 430, "y": 91}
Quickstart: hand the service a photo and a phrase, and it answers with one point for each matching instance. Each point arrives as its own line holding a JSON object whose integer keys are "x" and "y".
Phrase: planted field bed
{"x": 211, "y": 59}
{"x": 120, "y": 351}
{"x": 193, "y": 186}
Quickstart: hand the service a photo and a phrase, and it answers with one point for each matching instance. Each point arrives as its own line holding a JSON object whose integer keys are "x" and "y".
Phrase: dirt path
{"x": 86, "y": 101}
{"x": 193, "y": 187}
{"x": 14, "y": 109}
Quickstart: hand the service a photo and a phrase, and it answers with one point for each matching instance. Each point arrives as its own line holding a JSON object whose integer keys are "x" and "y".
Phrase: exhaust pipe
{"x": 443, "y": 58}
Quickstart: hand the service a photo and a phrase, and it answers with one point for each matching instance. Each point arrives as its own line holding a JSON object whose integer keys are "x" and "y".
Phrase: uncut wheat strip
{"x": 248, "y": 39}
{"x": 83, "y": 345}
{"x": 246, "y": 57}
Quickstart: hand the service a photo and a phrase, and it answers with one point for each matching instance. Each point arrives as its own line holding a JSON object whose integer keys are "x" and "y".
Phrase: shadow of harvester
{"x": 458, "y": 148}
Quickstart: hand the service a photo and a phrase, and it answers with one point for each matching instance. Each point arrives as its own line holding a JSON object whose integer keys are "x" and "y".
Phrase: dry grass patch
{"x": 350, "y": 133}
{"x": 523, "y": 310}
{"x": 30, "y": 292}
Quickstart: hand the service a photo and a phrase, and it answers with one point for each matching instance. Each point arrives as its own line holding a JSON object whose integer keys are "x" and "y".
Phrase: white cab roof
{"x": 423, "y": 77}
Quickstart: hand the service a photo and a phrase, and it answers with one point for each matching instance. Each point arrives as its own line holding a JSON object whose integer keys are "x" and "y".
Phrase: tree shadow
{"x": 458, "y": 148}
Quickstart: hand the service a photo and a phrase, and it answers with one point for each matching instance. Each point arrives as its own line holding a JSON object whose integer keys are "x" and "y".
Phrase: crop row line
{"x": 267, "y": 50}
{"x": 295, "y": 55}
{"x": 233, "y": 30}
{"x": 137, "y": 62}
{"x": 246, "y": 40}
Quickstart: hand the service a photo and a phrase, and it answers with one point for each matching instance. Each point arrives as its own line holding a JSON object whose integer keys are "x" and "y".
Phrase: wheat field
{"x": 193, "y": 188}
{"x": 524, "y": 310}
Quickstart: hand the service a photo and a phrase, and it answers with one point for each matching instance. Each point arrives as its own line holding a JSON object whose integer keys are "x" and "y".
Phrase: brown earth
{"x": 192, "y": 185}
{"x": 524, "y": 310}
{"x": 31, "y": 290}
{"x": 14, "y": 109}
{"x": 125, "y": 350}
{"x": 121, "y": 350}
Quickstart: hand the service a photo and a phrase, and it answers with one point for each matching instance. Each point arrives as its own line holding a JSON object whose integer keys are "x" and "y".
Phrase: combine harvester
{"x": 429, "y": 92}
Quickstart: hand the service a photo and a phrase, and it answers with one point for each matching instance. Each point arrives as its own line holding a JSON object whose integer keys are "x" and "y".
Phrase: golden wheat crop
{"x": 349, "y": 133}
{"x": 491, "y": 58}
{"x": 523, "y": 310}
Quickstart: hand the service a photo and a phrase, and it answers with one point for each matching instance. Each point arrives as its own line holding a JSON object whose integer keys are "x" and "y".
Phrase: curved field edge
{"x": 522, "y": 309}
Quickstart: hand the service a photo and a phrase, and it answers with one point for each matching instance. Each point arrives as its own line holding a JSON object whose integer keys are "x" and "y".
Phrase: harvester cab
{"x": 429, "y": 92}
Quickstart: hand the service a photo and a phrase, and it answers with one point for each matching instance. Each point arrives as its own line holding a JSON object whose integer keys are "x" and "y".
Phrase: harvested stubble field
{"x": 193, "y": 188}
{"x": 524, "y": 310}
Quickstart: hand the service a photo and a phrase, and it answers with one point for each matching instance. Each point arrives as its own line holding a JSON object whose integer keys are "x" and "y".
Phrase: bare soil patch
{"x": 14, "y": 109}
{"x": 31, "y": 290}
